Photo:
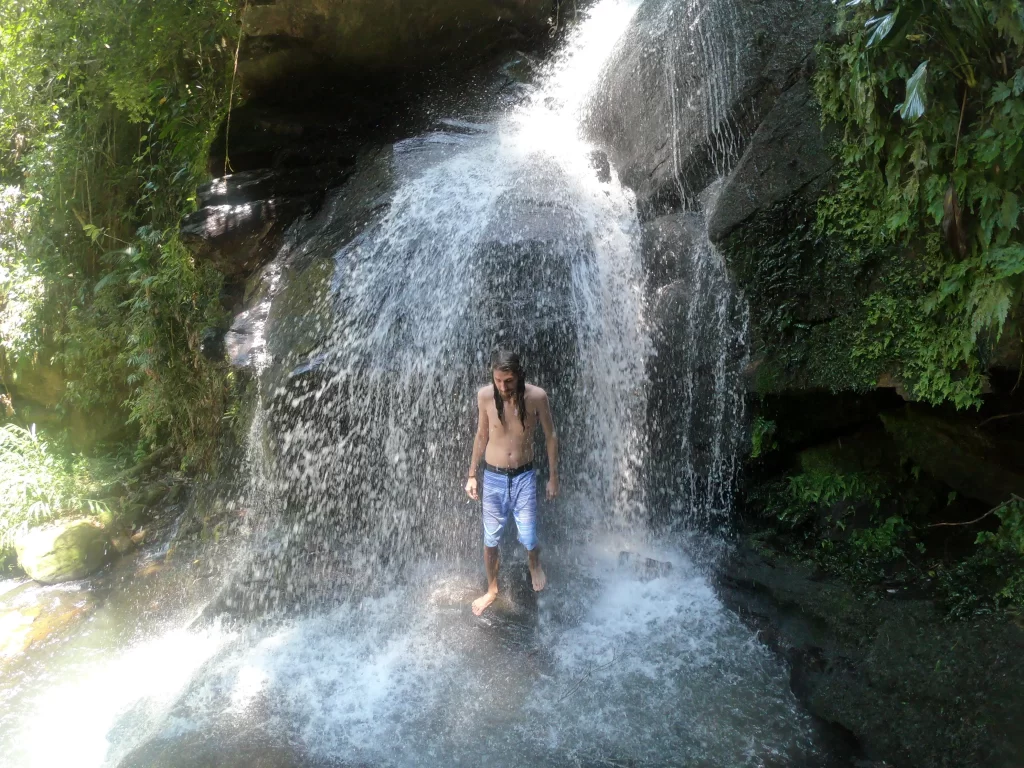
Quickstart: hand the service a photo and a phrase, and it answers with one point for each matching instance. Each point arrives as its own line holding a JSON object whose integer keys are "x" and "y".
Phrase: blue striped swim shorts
{"x": 512, "y": 491}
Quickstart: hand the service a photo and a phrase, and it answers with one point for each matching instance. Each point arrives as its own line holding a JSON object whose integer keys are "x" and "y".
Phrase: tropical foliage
{"x": 34, "y": 486}
{"x": 107, "y": 111}
{"x": 931, "y": 94}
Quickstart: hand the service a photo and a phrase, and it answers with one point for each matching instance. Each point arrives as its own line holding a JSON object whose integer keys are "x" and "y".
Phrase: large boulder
{"x": 290, "y": 42}
{"x": 959, "y": 450}
{"x": 690, "y": 83}
{"x": 63, "y": 551}
{"x": 787, "y": 156}
{"x": 912, "y": 687}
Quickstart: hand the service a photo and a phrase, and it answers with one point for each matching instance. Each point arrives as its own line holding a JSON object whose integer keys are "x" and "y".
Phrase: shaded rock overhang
{"x": 291, "y": 48}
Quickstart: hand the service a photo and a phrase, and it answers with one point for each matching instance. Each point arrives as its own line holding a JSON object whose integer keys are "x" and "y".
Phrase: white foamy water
{"x": 609, "y": 665}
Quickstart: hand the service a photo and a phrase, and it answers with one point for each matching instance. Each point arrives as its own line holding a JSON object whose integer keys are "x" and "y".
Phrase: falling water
{"x": 500, "y": 234}
{"x": 702, "y": 34}
{"x": 352, "y": 641}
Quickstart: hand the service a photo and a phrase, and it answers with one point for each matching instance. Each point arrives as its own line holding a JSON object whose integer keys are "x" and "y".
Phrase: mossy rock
{"x": 63, "y": 551}
{"x": 956, "y": 449}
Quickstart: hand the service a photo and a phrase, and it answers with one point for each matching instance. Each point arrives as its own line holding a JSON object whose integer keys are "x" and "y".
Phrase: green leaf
{"x": 1000, "y": 92}
{"x": 913, "y": 105}
{"x": 1009, "y": 211}
{"x": 883, "y": 26}
{"x": 1018, "y": 82}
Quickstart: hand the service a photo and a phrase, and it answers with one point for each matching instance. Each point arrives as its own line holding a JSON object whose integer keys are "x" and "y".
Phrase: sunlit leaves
{"x": 881, "y": 26}
{"x": 913, "y": 106}
{"x": 107, "y": 110}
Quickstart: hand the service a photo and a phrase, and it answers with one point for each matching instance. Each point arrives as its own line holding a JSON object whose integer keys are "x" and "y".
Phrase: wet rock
{"x": 122, "y": 542}
{"x": 694, "y": 321}
{"x": 787, "y": 155}
{"x": 152, "y": 494}
{"x": 957, "y": 450}
{"x": 689, "y": 85}
{"x": 238, "y": 238}
{"x": 646, "y": 568}
{"x": 197, "y": 750}
{"x": 63, "y": 551}
{"x": 667, "y": 247}
{"x": 31, "y": 615}
{"x": 912, "y": 687}
{"x": 211, "y": 344}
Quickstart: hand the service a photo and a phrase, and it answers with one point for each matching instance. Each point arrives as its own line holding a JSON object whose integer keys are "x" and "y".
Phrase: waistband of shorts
{"x": 508, "y": 471}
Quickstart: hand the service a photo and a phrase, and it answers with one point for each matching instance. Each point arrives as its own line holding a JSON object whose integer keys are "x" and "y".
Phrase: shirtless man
{"x": 509, "y": 411}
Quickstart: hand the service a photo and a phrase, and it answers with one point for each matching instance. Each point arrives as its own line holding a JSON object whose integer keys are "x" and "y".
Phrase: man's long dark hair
{"x": 508, "y": 362}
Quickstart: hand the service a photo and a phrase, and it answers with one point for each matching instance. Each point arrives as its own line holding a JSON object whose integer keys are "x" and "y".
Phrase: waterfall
{"x": 499, "y": 234}
{"x": 696, "y": 409}
{"x": 344, "y": 636}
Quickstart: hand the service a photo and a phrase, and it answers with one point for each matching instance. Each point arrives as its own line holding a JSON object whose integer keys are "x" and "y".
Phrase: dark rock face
{"x": 695, "y": 399}
{"x": 242, "y": 215}
{"x": 689, "y": 85}
{"x": 979, "y": 464}
{"x": 914, "y": 690}
{"x": 787, "y": 157}
{"x": 667, "y": 247}
{"x": 291, "y": 42}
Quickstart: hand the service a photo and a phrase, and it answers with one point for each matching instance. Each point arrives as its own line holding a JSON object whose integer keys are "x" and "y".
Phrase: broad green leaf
{"x": 883, "y": 26}
{"x": 913, "y": 105}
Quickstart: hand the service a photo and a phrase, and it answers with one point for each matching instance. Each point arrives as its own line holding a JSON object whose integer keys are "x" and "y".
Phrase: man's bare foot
{"x": 539, "y": 579}
{"x": 481, "y": 603}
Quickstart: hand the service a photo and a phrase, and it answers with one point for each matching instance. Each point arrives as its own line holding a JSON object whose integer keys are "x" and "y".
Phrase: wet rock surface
{"x": 691, "y": 83}
{"x": 913, "y": 688}
{"x": 787, "y": 156}
{"x": 31, "y": 616}
{"x": 667, "y": 247}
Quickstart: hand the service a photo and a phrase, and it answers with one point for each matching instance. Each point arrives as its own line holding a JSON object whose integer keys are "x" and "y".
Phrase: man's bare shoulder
{"x": 485, "y": 393}
{"x": 535, "y": 394}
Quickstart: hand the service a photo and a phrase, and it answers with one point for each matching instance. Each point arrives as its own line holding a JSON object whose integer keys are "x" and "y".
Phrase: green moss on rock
{"x": 806, "y": 295}
{"x": 63, "y": 551}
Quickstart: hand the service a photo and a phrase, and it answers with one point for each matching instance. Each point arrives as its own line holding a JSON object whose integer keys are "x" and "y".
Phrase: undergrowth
{"x": 107, "y": 112}
{"x": 870, "y": 531}
{"x": 40, "y": 483}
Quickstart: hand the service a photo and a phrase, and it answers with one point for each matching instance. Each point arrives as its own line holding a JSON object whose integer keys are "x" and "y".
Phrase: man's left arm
{"x": 551, "y": 442}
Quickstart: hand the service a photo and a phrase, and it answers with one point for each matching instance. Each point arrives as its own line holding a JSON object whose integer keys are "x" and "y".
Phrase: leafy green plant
{"x": 1003, "y": 551}
{"x": 1009, "y": 537}
{"x": 883, "y": 541}
{"x": 35, "y": 486}
{"x": 762, "y": 440}
{"x": 931, "y": 97}
{"x": 108, "y": 111}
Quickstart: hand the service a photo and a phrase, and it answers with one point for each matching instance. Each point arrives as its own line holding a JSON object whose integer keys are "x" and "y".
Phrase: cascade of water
{"x": 696, "y": 413}
{"x": 703, "y": 35}
{"x": 503, "y": 235}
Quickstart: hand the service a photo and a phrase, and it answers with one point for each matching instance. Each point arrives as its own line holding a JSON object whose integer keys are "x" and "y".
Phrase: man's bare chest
{"x": 512, "y": 428}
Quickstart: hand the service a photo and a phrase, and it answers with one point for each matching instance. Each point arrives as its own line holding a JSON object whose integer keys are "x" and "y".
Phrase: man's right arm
{"x": 479, "y": 444}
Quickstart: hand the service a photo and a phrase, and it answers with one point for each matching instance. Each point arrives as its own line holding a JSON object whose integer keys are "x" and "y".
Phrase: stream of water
{"x": 346, "y": 636}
